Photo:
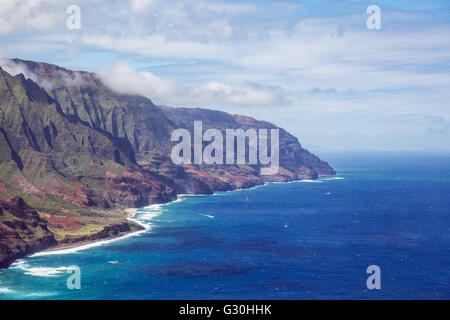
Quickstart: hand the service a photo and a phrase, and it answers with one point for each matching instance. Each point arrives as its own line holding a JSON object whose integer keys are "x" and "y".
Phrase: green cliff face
{"x": 51, "y": 155}
{"x": 134, "y": 122}
{"x": 78, "y": 153}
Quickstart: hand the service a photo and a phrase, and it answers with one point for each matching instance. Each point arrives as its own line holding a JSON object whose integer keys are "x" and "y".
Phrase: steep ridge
{"x": 61, "y": 155}
{"x": 78, "y": 153}
{"x": 133, "y": 120}
{"x": 300, "y": 163}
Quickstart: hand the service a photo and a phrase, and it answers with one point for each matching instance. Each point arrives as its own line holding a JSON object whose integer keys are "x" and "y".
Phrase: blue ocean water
{"x": 301, "y": 240}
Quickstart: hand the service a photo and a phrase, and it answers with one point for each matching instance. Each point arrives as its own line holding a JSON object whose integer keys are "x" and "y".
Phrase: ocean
{"x": 299, "y": 240}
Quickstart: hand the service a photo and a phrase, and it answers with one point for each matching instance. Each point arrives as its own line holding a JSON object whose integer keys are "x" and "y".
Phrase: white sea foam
{"x": 208, "y": 216}
{"x": 87, "y": 246}
{"x": 309, "y": 181}
{"x": 18, "y": 264}
{"x": 153, "y": 207}
{"x": 320, "y": 180}
{"x": 5, "y": 290}
{"x": 146, "y": 217}
{"x": 40, "y": 294}
{"x": 45, "y": 272}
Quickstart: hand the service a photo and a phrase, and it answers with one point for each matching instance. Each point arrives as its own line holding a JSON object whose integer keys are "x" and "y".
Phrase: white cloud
{"x": 212, "y": 52}
{"x": 125, "y": 80}
{"x": 157, "y": 46}
{"x": 17, "y": 68}
{"x": 138, "y": 5}
{"x": 219, "y": 94}
{"x": 316, "y": 52}
{"x": 18, "y": 15}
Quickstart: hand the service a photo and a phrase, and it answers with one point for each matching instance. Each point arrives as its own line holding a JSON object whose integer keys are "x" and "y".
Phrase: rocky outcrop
{"x": 22, "y": 231}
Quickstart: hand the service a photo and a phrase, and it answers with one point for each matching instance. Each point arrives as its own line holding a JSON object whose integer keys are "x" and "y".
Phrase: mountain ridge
{"x": 77, "y": 153}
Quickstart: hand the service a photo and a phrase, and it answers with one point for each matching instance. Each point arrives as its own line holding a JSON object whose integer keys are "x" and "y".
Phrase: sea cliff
{"x": 75, "y": 154}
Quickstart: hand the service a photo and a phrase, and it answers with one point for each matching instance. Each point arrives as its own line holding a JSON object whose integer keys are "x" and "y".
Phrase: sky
{"x": 312, "y": 67}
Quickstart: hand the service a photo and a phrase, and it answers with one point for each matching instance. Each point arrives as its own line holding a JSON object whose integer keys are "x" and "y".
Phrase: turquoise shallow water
{"x": 301, "y": 240}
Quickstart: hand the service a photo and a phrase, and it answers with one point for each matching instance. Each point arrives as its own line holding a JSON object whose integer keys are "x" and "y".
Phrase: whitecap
{"x": 147, "y": 216}
{"x": 40, "y": 294}
{"x": 152, "y": 207}
{"x": 18, "y": 264}
{"x": 46, "y": 272}
{"x": 5, "y": 290}
{"x": 309, "y": 181}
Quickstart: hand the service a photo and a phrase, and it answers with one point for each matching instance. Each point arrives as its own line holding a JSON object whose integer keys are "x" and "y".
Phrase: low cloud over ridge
{"x": 123, "y": 79}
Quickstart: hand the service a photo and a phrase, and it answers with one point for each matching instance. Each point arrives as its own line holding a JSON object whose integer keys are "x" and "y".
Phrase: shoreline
{"x": 130, "y": 216}
{"x": 84, "y": 245}
{"x": 87, "y": 244}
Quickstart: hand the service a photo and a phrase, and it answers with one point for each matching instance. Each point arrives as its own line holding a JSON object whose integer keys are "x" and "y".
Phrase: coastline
{"x": 130, "y": 216}
{"x": 83, "y": 245}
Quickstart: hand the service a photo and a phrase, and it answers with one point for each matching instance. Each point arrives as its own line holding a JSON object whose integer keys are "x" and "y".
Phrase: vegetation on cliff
{"x": 75, "y": 153}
